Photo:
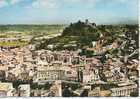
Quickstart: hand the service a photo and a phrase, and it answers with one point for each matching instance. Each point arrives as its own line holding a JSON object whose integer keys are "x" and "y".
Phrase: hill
{"x": 76, "y": 35}
{"x": 83, "y": 35}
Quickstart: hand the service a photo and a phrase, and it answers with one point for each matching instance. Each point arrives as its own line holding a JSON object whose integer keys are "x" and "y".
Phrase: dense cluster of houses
{"x": 43, "y": 66}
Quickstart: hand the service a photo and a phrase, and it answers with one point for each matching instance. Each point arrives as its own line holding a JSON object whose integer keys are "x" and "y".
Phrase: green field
{"x": 14, "y": 43}
{"x": 15, "y": 31}
{"x": 31, "y": 29}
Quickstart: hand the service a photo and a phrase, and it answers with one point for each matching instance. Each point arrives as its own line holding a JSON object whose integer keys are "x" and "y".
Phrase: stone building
{"x": 124, "y": 90}
{"x": 24, "y": 90}
{"x": 6, "y": 89}
{"x": 56, "y": 71}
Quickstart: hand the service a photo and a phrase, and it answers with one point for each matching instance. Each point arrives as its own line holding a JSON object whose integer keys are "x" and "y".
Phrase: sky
{"x": 67, "y": 11}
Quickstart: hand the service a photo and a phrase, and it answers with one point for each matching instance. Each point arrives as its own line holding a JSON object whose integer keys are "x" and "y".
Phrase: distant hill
{"x": 124, "y": 21}
{"x": 76, "y": 35}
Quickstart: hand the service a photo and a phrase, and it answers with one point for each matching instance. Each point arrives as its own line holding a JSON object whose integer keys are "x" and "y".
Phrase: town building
{"x": 6, "y": 89}
{"x": 24, "y": 90}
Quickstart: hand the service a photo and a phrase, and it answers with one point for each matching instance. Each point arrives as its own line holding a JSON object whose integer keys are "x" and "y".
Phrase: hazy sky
{"x": 66, "y": 11}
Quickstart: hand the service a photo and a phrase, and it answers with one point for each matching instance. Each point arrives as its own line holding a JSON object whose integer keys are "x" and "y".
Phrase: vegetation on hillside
{"x": 80, "y": 33}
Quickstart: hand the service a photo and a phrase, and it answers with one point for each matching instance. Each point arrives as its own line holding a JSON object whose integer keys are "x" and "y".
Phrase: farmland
{"x": 27, "y": 31}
